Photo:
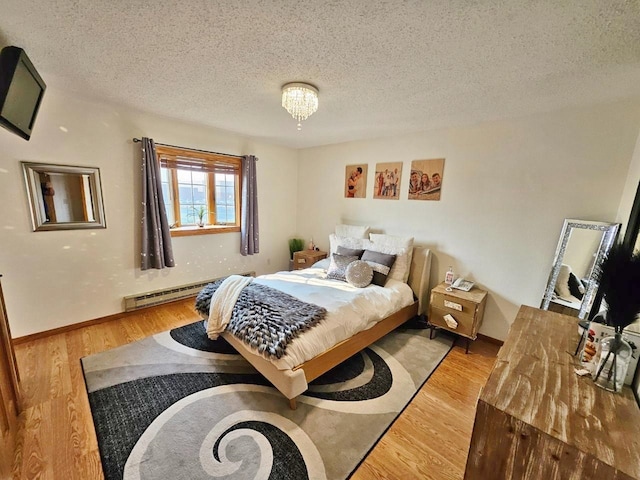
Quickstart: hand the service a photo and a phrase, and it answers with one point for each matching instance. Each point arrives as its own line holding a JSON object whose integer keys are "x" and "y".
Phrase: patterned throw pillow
{"x": 381, "y": 264}
{"x": 359, "y": 274}
{"x": 338, "y": 268}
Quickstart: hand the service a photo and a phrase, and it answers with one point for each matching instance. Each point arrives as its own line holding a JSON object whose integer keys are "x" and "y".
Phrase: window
{"x": 201, "y": 191}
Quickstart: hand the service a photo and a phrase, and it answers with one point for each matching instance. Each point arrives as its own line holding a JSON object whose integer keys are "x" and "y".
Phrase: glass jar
{"x": 615, "y": 355}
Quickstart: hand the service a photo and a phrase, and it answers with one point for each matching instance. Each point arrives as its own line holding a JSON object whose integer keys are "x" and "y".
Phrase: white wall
{"x": 507, "y": 188}
{"x": 630, "y": 188}
{"x": 626, "y": 203}
{"x": 52, "y": 279}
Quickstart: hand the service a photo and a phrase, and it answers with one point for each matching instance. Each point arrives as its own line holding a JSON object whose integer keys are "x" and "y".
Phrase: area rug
{"x": 178, "y": 405}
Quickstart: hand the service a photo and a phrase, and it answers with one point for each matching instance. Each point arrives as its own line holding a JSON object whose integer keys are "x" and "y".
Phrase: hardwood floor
{"x": 430, "y": 440}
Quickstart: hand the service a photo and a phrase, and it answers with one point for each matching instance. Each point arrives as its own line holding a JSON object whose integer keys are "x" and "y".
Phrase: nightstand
{"x": 306, "y": 258}
{"x": 467, "y": 308}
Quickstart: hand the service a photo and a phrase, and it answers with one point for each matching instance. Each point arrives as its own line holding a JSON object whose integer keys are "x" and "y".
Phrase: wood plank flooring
{"x": 429, "y": 440}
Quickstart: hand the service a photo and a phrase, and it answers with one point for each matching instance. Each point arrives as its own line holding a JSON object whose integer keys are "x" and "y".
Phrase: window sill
{"x": 206, "y": 230}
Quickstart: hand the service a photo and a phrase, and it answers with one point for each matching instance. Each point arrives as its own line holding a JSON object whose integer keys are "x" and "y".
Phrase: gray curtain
{"x": 156, "y": 238}
{"x": 249, "y": 231}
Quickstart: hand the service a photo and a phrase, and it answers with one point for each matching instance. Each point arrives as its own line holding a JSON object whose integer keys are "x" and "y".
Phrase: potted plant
{"x": 199, "y": 212}
{"x": 619, "y": 279}
{"x": 295, "y": 245}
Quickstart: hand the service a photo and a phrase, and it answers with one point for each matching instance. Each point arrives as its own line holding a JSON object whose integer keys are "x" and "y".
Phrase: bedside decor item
{"x": 620, "y": 286}
{"x": 359, "y": 274}
{"x": 449, "y": 276}
{"x": 295, "y": 245}
{"x": 300, "y": 100}
{"x": 425, "y": 181}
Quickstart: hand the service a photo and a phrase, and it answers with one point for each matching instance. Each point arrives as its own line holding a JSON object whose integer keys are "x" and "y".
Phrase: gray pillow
{"x": 359, "y": 274}
{"x": 349, "y": 251}
{"x": 381, "y": 264}
{"x": 338, "y": 267}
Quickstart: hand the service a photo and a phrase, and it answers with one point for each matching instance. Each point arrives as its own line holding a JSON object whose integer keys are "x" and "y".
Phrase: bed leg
{"x": 292, "y": 404}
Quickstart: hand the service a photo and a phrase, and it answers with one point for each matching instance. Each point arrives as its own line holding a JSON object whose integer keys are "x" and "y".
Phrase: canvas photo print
{"x": 355, "y": 181}
{"x": 425, "y": 180}
{"x": 387, "y": 180}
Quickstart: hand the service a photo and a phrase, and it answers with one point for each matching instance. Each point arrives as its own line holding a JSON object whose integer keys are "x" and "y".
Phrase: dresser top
{"x": 534, "y": 381}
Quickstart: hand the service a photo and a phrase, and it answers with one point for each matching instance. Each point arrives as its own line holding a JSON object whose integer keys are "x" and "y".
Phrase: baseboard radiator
{"x": 157, "y": 297}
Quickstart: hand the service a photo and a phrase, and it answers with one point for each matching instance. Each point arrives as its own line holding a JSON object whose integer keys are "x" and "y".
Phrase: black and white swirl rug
{"x": 178, "y": 405}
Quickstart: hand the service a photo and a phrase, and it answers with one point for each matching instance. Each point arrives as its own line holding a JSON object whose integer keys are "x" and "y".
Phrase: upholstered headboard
{"x": 419, "y": 277}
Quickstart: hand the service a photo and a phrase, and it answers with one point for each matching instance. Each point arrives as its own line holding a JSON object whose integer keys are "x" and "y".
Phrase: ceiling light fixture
{"x": 300, "y": 100}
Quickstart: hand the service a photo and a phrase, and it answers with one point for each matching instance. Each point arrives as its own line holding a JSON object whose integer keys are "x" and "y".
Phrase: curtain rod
{"x": 137, "y": 140}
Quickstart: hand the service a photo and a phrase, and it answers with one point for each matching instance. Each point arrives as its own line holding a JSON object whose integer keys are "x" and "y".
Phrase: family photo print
{"x": 425, "y": 181}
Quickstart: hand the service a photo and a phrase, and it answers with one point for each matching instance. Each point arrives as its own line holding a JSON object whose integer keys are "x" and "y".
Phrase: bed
{"x": 349, "y": 326}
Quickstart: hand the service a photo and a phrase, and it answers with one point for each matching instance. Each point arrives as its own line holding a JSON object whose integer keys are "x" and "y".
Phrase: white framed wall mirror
{"x": 64, "y": 197}
{"x": 573, "y": 284}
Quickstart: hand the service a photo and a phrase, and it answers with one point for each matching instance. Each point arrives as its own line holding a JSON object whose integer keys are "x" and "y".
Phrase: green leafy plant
{"x": 199, "y": 213}
{"x": 295, "y": 245}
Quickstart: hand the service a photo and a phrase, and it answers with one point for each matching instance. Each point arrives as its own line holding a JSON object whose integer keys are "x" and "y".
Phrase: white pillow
{"x": 402, "y": 247}
{"x": 347, "y": 242}
{"x": 353, "y": 231}
{"x": 562, "y": 283}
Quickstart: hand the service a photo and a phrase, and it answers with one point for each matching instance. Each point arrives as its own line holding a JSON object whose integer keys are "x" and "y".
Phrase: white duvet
{"x": 349, "y": 309}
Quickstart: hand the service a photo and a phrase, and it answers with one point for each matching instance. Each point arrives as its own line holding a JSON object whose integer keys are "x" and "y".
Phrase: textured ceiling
{"x": 382, "y": 67}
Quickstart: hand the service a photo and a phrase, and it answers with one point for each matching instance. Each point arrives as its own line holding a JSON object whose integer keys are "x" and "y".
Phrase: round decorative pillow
{"x": 359, "y": 274}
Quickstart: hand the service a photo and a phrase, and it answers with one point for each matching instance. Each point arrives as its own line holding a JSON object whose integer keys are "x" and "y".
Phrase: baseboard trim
{"x": 89, "y": 323}
{"x": 118, "y": 316}
{"x": 495, "y": 341}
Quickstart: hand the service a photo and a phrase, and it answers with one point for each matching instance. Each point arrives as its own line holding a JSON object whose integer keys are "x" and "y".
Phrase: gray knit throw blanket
{"x": 265, "y": 318}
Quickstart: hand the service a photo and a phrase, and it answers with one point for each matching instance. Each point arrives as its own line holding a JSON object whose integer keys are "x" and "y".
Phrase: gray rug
{"x": 180, "y": 406}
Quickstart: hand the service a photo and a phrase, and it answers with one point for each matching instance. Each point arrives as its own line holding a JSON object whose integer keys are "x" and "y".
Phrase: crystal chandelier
{"x": 300, "y": 100}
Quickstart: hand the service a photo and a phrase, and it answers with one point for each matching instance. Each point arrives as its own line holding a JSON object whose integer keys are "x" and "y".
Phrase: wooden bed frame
{"x": 293, "y": 382}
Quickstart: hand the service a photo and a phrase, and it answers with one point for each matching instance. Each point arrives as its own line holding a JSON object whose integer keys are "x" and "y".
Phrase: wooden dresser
{"x": 9, "y": 395}
{"x": 536, "y": 419}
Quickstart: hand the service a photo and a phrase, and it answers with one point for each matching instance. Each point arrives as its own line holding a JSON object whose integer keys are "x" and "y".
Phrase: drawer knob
{"x": 453, "y": 305}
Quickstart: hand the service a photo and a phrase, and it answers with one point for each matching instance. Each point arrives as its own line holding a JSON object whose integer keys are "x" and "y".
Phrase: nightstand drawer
{"x": 306, "y": 258}
{"x": 302, "y": 262}
{"x": 438, "y": 300}
{"x": 465, "y": 322}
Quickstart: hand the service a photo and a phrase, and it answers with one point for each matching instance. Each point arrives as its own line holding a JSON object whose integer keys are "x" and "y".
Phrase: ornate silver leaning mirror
{"x": 64, "y": 197}
{"x": 573, "y": 284}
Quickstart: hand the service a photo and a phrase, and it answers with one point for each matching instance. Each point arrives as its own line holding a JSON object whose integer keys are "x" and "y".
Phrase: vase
{"x": 615, "y": 355}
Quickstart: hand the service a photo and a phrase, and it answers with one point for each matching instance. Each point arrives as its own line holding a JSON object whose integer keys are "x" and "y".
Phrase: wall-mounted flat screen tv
{"x": 21, "y": 92}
